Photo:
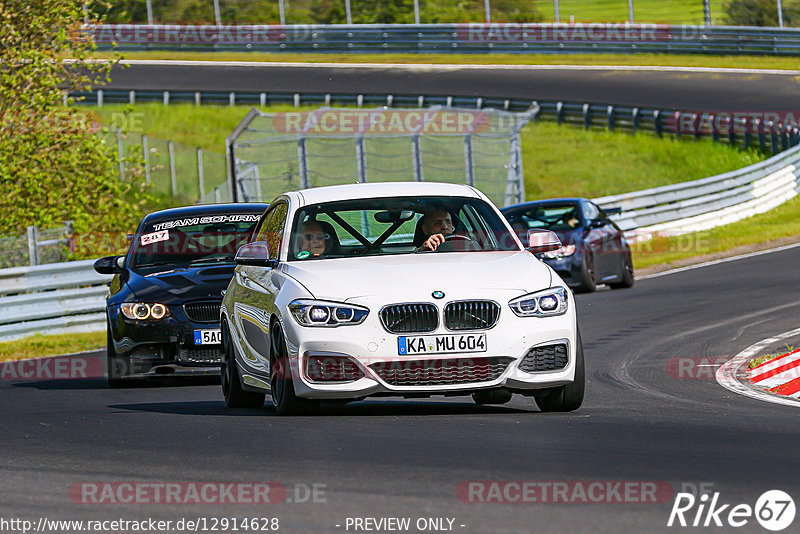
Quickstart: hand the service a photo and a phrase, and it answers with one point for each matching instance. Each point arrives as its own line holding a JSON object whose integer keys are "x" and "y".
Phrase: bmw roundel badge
{"x": 438, "y": 294}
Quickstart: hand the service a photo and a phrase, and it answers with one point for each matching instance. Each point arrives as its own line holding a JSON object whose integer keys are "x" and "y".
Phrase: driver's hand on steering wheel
{"x": 433, "y": 242}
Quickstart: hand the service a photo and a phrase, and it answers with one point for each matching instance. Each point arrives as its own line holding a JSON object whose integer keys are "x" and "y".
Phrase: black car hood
{"x": 177, "y": 284}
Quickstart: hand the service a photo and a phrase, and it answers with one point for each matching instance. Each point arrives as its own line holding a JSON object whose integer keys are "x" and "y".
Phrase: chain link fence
{"x": 271, "y": 153}
{"x": 188, "y": 174}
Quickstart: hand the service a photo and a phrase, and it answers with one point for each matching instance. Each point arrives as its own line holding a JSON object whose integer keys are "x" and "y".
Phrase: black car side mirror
{"x": 109, "y": 265}
{"x": 598, "y": 223}
{"x": 256, "y": 253}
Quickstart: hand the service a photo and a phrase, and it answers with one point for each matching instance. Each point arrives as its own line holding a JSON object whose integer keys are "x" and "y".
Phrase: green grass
{"x": 779, "y": 223}
{"x": 40, "y": 345}
{"x": 674, "y": 60}
{"x": 557, "y": 160}
{"x": 755, "y": 362}
{"x": 566, "y": 161}
{"x": 658, "y": 11}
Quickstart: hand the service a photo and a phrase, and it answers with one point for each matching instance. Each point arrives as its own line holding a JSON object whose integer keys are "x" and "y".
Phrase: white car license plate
{"x": 208, "y": 337}
{"x": 445, "y": 344}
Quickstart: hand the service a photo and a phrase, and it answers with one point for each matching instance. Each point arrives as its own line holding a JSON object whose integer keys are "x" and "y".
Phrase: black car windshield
{"x": 558, "y": 217}
{"x": 197, "y": 240}
{"x": 396, "y": 225}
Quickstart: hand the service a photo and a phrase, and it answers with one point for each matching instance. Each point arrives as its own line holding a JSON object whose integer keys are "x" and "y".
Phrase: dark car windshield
{"x": 396, "y": 225}
{"x": 181, "y": 242}
{"x": 557, "y": 217}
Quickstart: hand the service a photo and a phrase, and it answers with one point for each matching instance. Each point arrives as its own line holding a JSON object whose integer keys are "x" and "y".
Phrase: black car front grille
{"x": 202, "y": 356}
{"x": 545, "y": 358}
{"x": 471, "y": 315}
{"x": 203, "y": 312}
{"x": 441, "y": 372}
{"x": 325, "y": 368}
{"x": 408, "y": 318}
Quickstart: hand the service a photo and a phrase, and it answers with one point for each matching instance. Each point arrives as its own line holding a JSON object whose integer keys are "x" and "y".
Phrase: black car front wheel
{"x": 115, "y": 366}
{"x": 587, "y": 277}
{"x": 626, "y": 276}
{"x": 284, "y": 399}
{"x": 569, "y": 397}
{"x": 235, "y": 396}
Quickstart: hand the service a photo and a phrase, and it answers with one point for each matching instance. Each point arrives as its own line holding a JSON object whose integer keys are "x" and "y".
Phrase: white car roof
{"x": 317, "y": 195}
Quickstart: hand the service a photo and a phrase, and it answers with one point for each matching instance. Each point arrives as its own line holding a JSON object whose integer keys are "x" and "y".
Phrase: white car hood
{"x": 415, "y": 276}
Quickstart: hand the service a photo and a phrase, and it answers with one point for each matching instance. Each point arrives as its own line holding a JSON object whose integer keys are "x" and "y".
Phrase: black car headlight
{"x": 141, "y": 311}
{"x": 321, "y": 313}
{"x": 547, "y": 303}
{"x": 562, "y": 252}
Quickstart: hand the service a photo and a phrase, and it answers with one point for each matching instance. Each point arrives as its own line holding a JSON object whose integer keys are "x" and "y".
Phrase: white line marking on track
{"x": 726, "y": 375}
{"x": 716, "y": 262}
{"x": 451, "y": 66}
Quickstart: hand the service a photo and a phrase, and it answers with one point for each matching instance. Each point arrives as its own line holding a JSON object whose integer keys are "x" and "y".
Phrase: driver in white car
{"x": 436, "y": 224}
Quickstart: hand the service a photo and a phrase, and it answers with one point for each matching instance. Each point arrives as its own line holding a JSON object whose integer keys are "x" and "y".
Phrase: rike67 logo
{"x": 774, "y": 510}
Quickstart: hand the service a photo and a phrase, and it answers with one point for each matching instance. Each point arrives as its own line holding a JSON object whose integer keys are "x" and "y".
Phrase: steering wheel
{"x": 466, "y": 241}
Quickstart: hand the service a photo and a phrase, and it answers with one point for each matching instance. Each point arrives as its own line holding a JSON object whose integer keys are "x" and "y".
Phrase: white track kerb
{"x": 727, "y": 374}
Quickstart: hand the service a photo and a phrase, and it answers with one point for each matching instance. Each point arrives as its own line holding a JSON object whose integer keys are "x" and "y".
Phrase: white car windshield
{"x": 397, "y": 225}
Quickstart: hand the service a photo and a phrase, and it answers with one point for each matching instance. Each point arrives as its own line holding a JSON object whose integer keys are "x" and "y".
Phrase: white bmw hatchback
{"x": 396, "y": 289}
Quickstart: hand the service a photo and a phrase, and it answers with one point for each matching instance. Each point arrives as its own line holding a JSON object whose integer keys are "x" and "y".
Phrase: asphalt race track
{"x": 641, "y": 421}
{"x": 391, "y": 458}
{"x": 689, "y": 91}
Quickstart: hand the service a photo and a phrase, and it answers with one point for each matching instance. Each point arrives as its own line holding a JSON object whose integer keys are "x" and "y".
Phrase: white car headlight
{"x": 321, "y": 313}
{"x": 545, "y": 303}
{"x": 140, "y": 311}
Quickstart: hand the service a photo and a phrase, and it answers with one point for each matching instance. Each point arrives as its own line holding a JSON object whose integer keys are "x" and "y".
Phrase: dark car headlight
{"x": 562, "y": 252}
{"x": 309, "y": 312}
{"x": 141, "y": 311}
{"x": 547, "y": 303}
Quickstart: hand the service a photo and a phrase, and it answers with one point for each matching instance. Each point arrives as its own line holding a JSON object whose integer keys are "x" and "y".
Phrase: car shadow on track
{"x": 356, "y": 409}
{"x": 101, "y": 383}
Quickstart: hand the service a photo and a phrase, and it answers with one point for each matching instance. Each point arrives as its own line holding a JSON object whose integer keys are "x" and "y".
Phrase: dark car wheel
{"x": 569, "y": 397}
{"x": 587, "y": 281}
{"x": 115, "y": 366}
{"x": 626, "y": 278}
{"x": 280, "y": 380}
{"x": 235, "y": 396}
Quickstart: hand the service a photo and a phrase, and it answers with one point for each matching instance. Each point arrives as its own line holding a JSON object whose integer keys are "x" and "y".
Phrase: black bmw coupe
{"x": 164, "y": 301}
{"x": 594, "y": 250}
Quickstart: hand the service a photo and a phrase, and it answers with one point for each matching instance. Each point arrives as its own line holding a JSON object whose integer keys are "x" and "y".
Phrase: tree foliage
{"x": 53, "y": 166}
{"x": 761, "y": 13}
{"x": 322, "y": 11}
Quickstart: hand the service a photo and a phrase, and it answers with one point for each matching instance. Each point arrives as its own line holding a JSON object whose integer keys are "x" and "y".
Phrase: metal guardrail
{"x": 55, "y": 298}
{"x": 709, "y": 202}
{"x": 454, "y": 38}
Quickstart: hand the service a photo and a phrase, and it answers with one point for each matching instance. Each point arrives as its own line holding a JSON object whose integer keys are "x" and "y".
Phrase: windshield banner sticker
{"x": 155, "y": 237}
{"x": 239, "y": 217}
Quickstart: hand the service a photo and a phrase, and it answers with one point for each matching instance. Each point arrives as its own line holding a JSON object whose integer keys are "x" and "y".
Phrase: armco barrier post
{"x": 416, "y": 158}
{"x": 33, "y": 245}
{"x": 469, "y": 161}
{"x": 302, "y": 161}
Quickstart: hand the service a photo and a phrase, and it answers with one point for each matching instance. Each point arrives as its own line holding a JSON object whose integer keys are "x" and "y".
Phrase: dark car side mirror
{"x": 598, "y": 223}
{"x": 542, "y": 241}
{"x": 256, "y": 253}
{"x": 109, "y": 265}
